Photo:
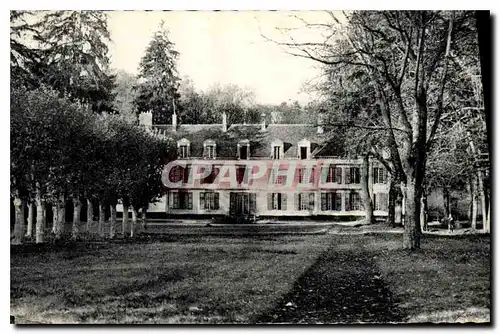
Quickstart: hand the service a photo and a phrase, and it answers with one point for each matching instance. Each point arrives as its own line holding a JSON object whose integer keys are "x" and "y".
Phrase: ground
{"x": 289, "y": 275}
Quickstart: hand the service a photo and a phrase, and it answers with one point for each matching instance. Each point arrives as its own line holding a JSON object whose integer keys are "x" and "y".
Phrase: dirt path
{"x": 342, "y": 286}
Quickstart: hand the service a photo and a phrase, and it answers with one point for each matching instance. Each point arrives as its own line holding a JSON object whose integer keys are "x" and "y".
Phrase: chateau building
{"x": 263, "y": 170}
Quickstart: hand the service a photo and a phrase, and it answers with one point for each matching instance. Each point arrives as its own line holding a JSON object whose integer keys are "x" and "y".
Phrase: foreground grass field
{"x": 317, "y": 278}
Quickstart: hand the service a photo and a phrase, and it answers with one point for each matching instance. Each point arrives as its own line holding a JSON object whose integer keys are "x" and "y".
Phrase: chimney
{"x": 174, "y": 118}
{"x": 263, "y": 124}
{"x": 320, "y": 123}
{"x": 224, "y": 122}
{"x": 174, "y": 122}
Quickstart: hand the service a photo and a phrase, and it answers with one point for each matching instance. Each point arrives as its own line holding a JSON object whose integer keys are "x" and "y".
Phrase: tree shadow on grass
{"x": 340, "y": 287}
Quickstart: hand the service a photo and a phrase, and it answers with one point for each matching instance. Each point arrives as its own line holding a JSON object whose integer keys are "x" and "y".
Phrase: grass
{"x": 315, "y": 278}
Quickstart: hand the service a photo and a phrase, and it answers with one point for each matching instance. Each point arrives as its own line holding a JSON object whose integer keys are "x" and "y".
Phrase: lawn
{"x": 315, "y": 278}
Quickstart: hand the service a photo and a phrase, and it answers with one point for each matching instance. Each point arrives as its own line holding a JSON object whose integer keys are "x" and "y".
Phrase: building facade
{"x": 275, "y": 170}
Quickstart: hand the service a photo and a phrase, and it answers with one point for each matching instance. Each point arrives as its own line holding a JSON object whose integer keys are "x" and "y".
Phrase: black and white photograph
{"x": 250, "y": 167}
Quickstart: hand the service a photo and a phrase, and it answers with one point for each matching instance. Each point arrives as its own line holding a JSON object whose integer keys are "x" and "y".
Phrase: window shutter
{"x": 253, "y": 198}
{"x": 216, "y": 201}
{"x": 202, "y": 200}
{"x": 323, "y": 201}
{"x": 312, "y": 175}
{"x": 190, "y": 201}
{"x": 283, "y": 202}
{"x": 269, "y": 201}
{"x": 346, "y": 199}
{"x": 348, "y": 175}
{"x": 296, "y": 198}
{"x": 185, "y": 178}
{"x": 232, "y": 203}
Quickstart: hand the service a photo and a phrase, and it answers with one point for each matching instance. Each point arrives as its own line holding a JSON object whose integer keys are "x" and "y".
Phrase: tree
{"x": 158, "y": 81}
{"x": 46, "y": 149}
{"x": 24, "y": 59}
{"x": 406, "y": 56}
{"x": 74, "y": 56}
{"x": 207, "y": 107}
{"x": 125, "y": 94}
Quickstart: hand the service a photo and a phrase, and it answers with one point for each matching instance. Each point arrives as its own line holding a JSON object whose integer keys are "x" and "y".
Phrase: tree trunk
{"x": 446, "y": 201}
{"x": 423, "y": 212}
{"x": 102, "y": 214}
{"x": 473, "y": 196}
{"x": 19, "y": 224}
{"x": 125, "y": 220}
{"x": 134, "y": 222}
{"x": 31, "y": 219}
{"x": 365, "y": 191}
{"x": 488, "y": 218}
{"x": 90, "y": 215}
{"x": 144, "y": 223}
{"x": 40, "y": 218}
{"x": 77, "y": 208}
{"x": 482, "y": 197}
{"x": 391, "y": 210}
{"x": 61, "y": 216}
{"x": 411, "y": 233}
{"x": 55, "y": 214}
{"x": 112, "y": 221}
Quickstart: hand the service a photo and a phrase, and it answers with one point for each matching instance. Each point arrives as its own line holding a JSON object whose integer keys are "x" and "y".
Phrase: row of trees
{"x": 404, "y": 86}
{"x": 66, "y": 141}
{"x": 61, "y": 150}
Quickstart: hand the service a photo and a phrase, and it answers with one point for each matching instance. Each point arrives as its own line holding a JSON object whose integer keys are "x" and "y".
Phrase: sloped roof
{"x": 260, "y": 141}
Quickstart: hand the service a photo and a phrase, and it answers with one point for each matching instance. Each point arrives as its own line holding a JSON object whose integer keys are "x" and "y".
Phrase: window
{"x": 331, "y": 201}
{"x": 241, "y": 174}
{"x": 183, "y": 148}
{"x": 210, "y": 178}
{"x": 277, "y": 177}
{"x": 303, "y": 152}
{"x": 353, "y": 202}
{"x": 306, "y": 175}
{"x": 183, "y": 152}
{"x": 179, "y": 173}
{"x": 209, "y": 201}
{"x": 334, "y": 175}
{"x": 379, "y": 175}
{"x": 352, "y": 175}
{"x": 304, "y": 147}
{"x": 380, "y": 202}
{"x": 243, "y": 149}
{"x": 304, "y": 201}
{"x": 276, "y": 201}
{"x": 209, "y": 151}
{"x": 276, "y": 152}
{"x": 181, "y": 200}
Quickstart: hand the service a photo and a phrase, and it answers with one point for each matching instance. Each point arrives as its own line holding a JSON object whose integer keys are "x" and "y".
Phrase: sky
{"x": 222, "y": 47}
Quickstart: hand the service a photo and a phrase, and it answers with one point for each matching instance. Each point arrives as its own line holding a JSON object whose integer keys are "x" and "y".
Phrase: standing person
{"x": 451, "y": 223}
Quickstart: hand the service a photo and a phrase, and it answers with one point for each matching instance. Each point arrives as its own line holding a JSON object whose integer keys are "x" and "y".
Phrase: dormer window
{"x": 183, "y": 147}
{"x": 304, "y": 149}
{"x": 244, "y": 149}
{"x": 209, "y": 151}
{"x": 277, "y": 150}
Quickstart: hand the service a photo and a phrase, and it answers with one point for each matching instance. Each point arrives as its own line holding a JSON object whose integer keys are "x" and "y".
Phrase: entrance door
{"x": 242, "y": 203}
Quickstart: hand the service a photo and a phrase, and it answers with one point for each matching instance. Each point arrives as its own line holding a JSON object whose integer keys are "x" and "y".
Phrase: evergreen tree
{"x": 23, "y": 58}
{"x": 157, "y": 90}
{"x": 75, "y": 56}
